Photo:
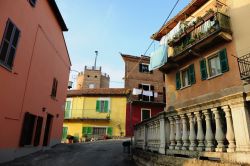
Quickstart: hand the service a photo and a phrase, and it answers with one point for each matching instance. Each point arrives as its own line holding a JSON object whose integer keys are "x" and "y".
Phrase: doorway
{"x": 47, "y": 129}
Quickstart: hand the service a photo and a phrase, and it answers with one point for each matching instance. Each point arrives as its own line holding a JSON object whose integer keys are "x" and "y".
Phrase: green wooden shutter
{"x": 98, "y": 108}
{"x": 106, "y": 106}
{"x": 67, "y": 109}
{"x": 84, "y": 130}
{"x": 89, "y": 130}
{"x": 191, "y": 74}
{"x": 178, "y": 80}
{"x": 203, "y": 69}
{"x": 65, "y": 132}
{"x": 110, "y": 131}
{"x": 223, "y": 60}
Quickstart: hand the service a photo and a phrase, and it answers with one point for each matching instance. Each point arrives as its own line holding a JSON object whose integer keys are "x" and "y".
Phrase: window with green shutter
{"x": 223, "y": 60}
{"x": 102, "y": 106}
{"x": 178, "y": 80}
{"x": 191, "y": 74}
{"x": 84, "y": 130}
{"x": 110, "y": 131}
{"x": 67, "y": 109}
{"x": 98, "y": 106}
{"x": 203, "y": 69}
{"x": 185, "y": 77}
{"x": 65, "y": 132}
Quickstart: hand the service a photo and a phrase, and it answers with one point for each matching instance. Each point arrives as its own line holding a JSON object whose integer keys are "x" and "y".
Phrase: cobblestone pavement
{"x": 99, "y": 153}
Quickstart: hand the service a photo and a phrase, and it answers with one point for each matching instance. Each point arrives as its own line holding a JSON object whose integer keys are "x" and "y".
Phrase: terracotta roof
{"x": 187, "y": 11}
{"x": 135, "y": 58}
{"x": 99, "y": 92}
{"x": 58, "y": 15}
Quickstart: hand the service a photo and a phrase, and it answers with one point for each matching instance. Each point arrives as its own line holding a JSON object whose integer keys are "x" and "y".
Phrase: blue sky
{"x": 112, "y": 26}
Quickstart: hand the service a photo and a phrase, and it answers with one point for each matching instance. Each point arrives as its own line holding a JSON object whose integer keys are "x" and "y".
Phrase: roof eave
{"x": 58, "y": 15}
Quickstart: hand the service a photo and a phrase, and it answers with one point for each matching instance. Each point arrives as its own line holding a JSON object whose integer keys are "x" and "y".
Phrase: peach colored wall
{"x": 41, "y": 55}
{"x": 226, "y": 80}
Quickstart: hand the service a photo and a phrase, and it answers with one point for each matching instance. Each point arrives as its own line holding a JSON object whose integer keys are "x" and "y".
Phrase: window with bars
{"x": 9, "y": 44}
{"x": 54, "y": 88}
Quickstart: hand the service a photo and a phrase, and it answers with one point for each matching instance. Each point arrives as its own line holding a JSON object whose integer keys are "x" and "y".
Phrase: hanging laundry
{"x": 147, "y": 93}
{"x": 136, "y": 91}
{"x": 158, "y": 58}
{"x": 155, "y": 94}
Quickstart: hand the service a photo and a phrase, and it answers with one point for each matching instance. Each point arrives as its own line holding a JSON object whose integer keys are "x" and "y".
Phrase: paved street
{"x": 104, "y": 153}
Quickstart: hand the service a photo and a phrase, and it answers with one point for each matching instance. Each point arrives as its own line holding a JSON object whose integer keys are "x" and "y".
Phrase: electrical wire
{"x": 151, "y": 43}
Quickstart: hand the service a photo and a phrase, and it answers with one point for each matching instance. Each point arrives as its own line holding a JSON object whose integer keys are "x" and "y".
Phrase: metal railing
{"x": 244, "y": 66}
{"x": 86, "y": 114}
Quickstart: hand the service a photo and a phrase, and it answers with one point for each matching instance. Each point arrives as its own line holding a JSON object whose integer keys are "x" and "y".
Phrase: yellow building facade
{"x": 95, "y": 113}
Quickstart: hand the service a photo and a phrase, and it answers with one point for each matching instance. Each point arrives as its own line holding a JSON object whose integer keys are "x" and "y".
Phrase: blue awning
{"x": 158, "y": 58}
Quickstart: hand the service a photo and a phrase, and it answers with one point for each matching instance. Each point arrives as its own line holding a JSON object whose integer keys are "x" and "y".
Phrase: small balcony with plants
{"x": 198, "y": 35}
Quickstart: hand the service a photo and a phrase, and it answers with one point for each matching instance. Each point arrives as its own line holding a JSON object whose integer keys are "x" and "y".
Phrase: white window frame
{"x": 211, "y": 56}
{"x": 142, "y": 113}
{"x": 91, "y": 86}
{"x": 181, "y": 80}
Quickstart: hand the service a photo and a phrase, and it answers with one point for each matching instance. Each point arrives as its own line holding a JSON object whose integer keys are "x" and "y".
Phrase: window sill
{"x": 214, "y": 76}
{"x": 185, "y": 87}
{"x": 6, "y": 67}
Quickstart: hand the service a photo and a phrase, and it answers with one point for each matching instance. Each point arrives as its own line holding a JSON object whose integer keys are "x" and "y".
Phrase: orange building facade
{"x": 34, "y": 71}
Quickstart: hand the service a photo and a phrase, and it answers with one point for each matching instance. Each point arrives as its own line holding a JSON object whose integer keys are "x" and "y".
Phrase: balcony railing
{"x": 244, "y": 66}
{"x": 194, "y": 36}
{"x": 173, "y": 133}
{"x": 86, "y": 114}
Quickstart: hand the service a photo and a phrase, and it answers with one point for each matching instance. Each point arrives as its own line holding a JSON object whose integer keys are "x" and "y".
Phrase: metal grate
{"x": 244, "y": 66}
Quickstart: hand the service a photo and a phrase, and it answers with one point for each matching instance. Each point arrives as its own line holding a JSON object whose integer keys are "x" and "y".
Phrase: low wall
{"x": 143, "y": 158}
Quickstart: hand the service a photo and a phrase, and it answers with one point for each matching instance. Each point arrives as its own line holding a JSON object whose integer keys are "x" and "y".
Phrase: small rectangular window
{"x": 214, "y": 66}
{"x": 9, "y": 44}
{"x": 54, "y": 88}
{"x": 185, "y": 77}
{"x": 144, "y": 68}
{"x": 145, "y": 114}
{"x": 102, "y": 106}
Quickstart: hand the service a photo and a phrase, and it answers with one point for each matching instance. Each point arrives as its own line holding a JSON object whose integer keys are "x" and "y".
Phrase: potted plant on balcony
{"x": 209, "y": 14}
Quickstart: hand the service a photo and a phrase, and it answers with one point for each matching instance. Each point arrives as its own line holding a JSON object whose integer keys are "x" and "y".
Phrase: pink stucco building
{"x": 34, "y": 70}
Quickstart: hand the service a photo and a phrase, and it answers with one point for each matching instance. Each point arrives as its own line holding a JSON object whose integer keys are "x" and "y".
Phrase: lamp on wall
{"x": 70, "y": 84}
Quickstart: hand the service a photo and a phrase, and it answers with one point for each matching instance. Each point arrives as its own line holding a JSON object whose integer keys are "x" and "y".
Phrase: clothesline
{"x": 144, "y": 92}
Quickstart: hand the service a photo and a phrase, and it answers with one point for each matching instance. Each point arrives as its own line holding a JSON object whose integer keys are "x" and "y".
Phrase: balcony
{"x": 206, "y": 32}
{"x": 244, "y": 67}
{"x": 190, "y": 133}
{"x": 84, "y": 115}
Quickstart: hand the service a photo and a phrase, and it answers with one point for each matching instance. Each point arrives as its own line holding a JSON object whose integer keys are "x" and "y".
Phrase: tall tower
{"x": 92, "y": 77}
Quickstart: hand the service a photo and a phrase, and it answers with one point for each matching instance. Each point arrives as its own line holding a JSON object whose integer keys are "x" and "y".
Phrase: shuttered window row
{"x": 209, "y": 67}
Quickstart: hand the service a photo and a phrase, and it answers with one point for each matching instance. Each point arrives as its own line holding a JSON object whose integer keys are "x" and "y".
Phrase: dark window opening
{"x": 145, "y": 114}
{"x": 32, "y": 3}
{"x": 54, "y": 88}
{"x": 145, "y": 87}
{"x": 39, "y": 125}
{"x": 9, "y": 44}
{"x": 144, "y": 68}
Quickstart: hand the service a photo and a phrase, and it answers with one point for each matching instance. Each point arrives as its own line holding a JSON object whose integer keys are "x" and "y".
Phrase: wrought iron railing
{"x": 244, "y": 66}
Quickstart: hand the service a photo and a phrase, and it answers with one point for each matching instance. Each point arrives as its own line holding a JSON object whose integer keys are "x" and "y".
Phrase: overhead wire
{"x": 151, "y": 43}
